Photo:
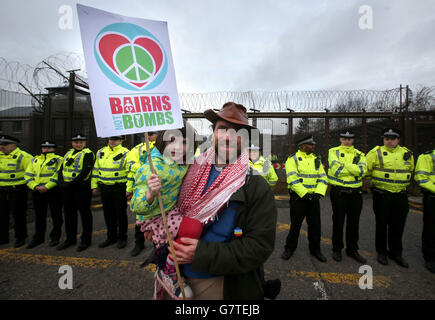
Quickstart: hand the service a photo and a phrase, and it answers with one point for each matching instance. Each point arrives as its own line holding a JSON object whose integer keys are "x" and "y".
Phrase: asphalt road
{"x": 111, "y": 273}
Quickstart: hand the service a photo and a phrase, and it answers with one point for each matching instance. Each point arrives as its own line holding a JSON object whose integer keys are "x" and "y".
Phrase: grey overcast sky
{"x": 238, "y": 45}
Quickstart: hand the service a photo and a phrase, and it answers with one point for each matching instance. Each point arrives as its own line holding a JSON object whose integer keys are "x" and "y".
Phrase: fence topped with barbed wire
{"x": 53, "y": 72}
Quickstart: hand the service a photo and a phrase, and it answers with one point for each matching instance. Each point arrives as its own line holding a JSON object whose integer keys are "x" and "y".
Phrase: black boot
{"x": 271, "y": 288}
{"x": 106, "y": 243}
{"x": 136, "y": 250}
{"x": 430, "y": 265}
{"x": 336, "y": 255}
{"x": 287, "y": 254}
{"x": 34, "y": 243}
{"x": 382, "y": 259}
{"x": 356, "y": 256}
{"x": 319, "y": 256}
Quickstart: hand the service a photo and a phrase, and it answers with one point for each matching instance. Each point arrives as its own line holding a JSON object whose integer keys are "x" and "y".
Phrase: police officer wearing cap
{"x": 307, "y": 183}
{"x": 42, "y": 177}
{"x": 390, "y": 168}
{"x": 347, "y": 167}
{"x": 261, "y": 165}
{"x": 425, "y": 177}
{"x": 13, "y": 189}
{"x": 133, "y": 164}
{"x": 109, "y": 176}
{"x": 76, "y": 174}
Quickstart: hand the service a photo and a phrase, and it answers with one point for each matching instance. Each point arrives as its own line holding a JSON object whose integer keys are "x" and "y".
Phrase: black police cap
{"x": 347, "y": 134}
{"x": 306, "y": 140}
{"x": 5, "y": 139}
{"x": 392, "y": 132}
{"x": 48, "y": 144}
{"x": 78, "y": 137}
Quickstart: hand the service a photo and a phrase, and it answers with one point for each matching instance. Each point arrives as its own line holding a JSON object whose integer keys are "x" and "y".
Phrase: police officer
{"x": 13, "y": 189}
{"x": 76, "y": 174}
{"x": 307, "y": 183}
{"x": 390, "y": 168}
{"x": 261, "y": 165}
{"x": 347, "y": 167}
{"x": 425, "y": 177}
{"x": 42, "y": 178}
{"x": 133, "y": 163}
{"x": 110, "y": 177}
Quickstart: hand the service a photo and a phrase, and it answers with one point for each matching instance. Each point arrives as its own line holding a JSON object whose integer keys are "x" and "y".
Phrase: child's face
{"x": 176, "y": 149}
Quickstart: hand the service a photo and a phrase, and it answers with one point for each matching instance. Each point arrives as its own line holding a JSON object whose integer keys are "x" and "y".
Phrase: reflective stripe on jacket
{"x": 44, "y": 171}
{"x": 265, "y": 169}
{"x": 13, "y": 166}
{"x": 133, "y": 162}
{"x": 388, "y": 169}
{"x": 342, "y": 171}
{"x": 73, "y": 165}
{"x": 110, "y": 166}
{"x": 305, "y": 174}
{"x": 425, "y": 171}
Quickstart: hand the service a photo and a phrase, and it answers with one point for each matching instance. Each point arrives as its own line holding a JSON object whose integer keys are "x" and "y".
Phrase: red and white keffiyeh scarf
{"x": 204, "y": 207}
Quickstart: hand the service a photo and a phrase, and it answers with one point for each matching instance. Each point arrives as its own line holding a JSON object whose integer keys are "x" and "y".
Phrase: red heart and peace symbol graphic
{"x": 136, "y": 61}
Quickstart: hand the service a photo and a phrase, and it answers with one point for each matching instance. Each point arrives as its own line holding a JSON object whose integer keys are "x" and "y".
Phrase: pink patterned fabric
{"x": 155, "y": 225}
{"x": 204, "y": 207}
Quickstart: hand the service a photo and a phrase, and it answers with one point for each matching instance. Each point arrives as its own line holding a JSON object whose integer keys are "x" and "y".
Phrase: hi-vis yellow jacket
{"x": 347, "y": 167}
{"x": 305, "y": 174}
{"x": 110, "y": 166}
{"x": 44, "y": 171}
{"x": 133, "y": 162}
{"x": 425, "y": 171}
{"x": 73, "y": 164}
{"x": 390, "y": 169}
{"x": 265, "y": 168}
{"x": 13, "y": 166}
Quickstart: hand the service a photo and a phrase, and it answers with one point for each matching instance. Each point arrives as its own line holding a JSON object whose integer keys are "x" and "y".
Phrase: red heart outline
{"x": 109, "y": 42}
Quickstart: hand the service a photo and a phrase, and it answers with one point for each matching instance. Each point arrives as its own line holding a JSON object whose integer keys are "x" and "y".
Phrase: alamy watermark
{"x": 65, "y": 21}
{"x": 65, "y": 281}
{"x": 366, "y": 281}
{"x": 365, "y": 22}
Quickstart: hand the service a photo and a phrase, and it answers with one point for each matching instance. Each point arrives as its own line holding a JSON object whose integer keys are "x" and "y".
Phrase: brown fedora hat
{"x": 231, "y": 112}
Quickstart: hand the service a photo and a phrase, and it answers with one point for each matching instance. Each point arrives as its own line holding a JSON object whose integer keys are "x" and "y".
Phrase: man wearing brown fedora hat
{"x": 237, "y": 210}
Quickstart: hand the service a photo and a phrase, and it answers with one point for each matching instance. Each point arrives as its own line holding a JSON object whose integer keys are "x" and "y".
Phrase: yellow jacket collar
{"x": 347, "y": 149}
{"x": 118, "y": 147}
{"x": 260, "y": 160}
{"x": 305, "y": 155}
{"x": 392, "y": 149}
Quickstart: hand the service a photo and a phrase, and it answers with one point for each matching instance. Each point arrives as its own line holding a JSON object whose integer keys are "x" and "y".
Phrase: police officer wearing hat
{"x": 261, "y": 165}
{"x": 133, "y": 163}
{"x": 347, "y": 167}
{"x": 110, "y": 177}
{"x": 76, "y": 174}
{"x": 307, "y": 183}
{"x": 13, "y": 189}
{"x": 425, "y": 177}
{"x": 390, "y": 168}
{"x": 42, "y": 177}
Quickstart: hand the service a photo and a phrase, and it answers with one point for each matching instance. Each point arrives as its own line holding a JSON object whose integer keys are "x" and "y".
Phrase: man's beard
{"x": 227, "y": 156}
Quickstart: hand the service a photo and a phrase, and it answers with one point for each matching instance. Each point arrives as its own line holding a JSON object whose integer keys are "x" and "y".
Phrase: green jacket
{"x": 239, "y": 260}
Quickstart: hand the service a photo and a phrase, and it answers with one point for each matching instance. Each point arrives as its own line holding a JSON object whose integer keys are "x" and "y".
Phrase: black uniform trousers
{"x": 41, "y": 201}
{"x": 115, "y": 210}
{"x": 391, "y": 211}
{"x": 299, "y": 209}
{"x": 77, "y": 198}
{"x": 13, "y": 199}
{"x": 346, "y": 205}
{"x": 428, "y": 236}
